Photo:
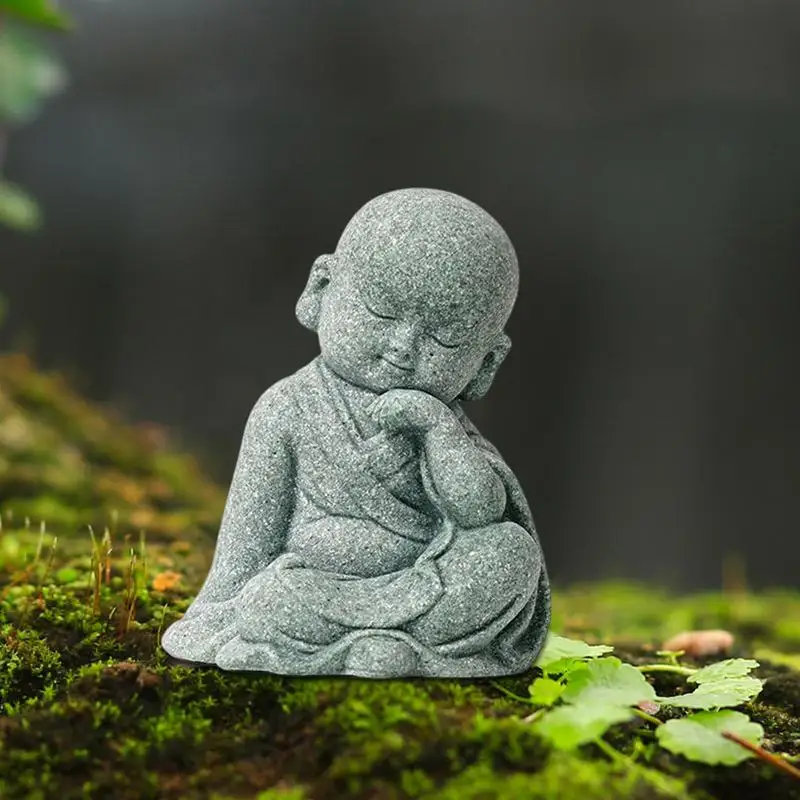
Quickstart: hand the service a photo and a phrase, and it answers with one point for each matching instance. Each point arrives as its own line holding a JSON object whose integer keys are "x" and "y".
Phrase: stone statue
{"x": 370, "y": 529}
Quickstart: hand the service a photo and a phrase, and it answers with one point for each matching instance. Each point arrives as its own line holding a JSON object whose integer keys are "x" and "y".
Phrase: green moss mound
{"x": 90, "y": 706}
{"x": 70, "y": 463}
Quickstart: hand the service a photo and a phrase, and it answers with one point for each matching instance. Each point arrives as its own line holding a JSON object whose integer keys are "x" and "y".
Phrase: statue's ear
{"x": 479, "y": 386}
{"x": 308, "y": 306}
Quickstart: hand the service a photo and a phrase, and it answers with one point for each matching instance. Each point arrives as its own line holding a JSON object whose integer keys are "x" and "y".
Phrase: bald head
{"x": 439, "y": 241}
{"x": 415, "y": 296}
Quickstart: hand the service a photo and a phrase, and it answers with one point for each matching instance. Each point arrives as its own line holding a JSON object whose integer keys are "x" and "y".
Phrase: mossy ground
{"x": 90, "y": 706}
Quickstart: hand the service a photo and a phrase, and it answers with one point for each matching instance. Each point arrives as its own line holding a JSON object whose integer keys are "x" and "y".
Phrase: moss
{"x": 28, "y": 665}
{"x": 72, "y": 463}
{"x": 561, "y": 777}
{"x": 93, "y": 707}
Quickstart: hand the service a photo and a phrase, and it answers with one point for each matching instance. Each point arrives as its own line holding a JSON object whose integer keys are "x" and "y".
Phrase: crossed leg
{"x": 483, "y": 571}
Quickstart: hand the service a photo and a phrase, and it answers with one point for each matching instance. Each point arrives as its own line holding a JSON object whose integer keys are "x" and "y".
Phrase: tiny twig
{"x": 96, "y": 569}
{"x": 129, "y": 598}
{"x": 674, "y": 668}
{"x": 108, "y": 566}
{"x": 40, "y": 543}
{"x": 535, "y": 715}
{"x": 763, "y": 754}
{"x": 648, "y": 717}
{"x": 611, "y": 751}
{"x": 510, "y": 693}
{"x": 106, "y": 543}
{"x": 143, "y": 556}
{"x": 671, "y": 655}
{"x": 48, "y": 567}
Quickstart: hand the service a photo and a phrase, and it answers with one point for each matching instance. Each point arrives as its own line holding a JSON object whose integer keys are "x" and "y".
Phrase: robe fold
{"x": 340, "y": 473}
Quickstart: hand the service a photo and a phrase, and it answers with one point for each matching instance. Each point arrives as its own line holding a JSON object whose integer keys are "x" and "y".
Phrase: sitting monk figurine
{"x": 370, "y": 529}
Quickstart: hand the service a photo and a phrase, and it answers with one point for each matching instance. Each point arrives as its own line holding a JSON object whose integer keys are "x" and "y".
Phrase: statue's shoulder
{"x": 277, "y": 406}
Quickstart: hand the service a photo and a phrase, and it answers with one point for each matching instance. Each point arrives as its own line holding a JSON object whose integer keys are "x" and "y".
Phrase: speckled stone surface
{"x": 370, "y": 529}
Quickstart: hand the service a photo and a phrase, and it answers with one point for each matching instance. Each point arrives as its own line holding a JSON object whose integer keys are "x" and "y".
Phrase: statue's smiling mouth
{"x": 396, "y": 365}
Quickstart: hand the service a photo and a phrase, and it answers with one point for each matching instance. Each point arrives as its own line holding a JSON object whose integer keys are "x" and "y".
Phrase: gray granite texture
{"x": 370, "y": 529}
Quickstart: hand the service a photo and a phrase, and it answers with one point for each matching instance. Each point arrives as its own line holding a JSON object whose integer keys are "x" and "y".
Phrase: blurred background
{"x": 643, "y": 157}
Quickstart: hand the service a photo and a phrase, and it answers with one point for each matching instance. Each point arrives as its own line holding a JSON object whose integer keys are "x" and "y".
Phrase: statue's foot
{"x": 377, "y": 656}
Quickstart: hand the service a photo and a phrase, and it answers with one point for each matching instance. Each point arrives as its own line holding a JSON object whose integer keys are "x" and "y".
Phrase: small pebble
{"x": 700, "y": 643}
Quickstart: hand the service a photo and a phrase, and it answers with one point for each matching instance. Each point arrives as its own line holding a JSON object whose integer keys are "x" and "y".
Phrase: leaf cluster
{"x": 583, "y": 692}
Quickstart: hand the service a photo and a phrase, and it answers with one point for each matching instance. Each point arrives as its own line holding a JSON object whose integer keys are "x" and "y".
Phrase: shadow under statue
{"x": 370, "y": 529}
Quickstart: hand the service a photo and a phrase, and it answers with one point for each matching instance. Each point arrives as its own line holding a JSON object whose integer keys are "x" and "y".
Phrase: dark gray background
{"x": 642, "y": 156}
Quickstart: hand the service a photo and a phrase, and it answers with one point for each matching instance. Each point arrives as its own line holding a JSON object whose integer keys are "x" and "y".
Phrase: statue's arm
{"x": 471, "y": 490}
{"x": 260, "y": 500}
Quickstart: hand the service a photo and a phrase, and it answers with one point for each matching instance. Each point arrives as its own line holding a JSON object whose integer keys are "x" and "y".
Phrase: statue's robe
{"x": 257, "y": 581}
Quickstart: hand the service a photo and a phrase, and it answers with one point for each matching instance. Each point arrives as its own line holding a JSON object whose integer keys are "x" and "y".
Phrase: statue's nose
{"x": 402, "y": 345}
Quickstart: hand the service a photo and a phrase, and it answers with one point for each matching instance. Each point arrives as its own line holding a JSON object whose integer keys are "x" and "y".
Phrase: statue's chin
{"x": 360, "y": 380}
{"x": 383, "y": 378}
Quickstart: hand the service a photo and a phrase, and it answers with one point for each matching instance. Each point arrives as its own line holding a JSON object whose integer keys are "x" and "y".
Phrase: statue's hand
{"x": 408, "y": 409}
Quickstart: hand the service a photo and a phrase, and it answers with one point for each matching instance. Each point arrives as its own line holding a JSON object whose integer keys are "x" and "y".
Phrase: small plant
{"x": 583, "y": 693}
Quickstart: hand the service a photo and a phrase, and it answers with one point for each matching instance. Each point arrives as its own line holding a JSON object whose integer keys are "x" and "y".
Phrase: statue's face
{"x": 383, "y": 327}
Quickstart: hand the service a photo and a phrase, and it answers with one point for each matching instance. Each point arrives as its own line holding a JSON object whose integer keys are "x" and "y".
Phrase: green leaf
{"x": 608, "y": 681}
{"x": 29, "y": 75}
{"x": 717, "y": 694}
{"x": 722, "y": 670}
{"x": 568, "y": 727}
{"x": 17, "y": 209}
{"x": 38, "y": 12}
{"x": 557, "y": 648}
{"x": 562, "y": 666}
{"x": 545, "y": 691}
{"x": 699, "y": 736}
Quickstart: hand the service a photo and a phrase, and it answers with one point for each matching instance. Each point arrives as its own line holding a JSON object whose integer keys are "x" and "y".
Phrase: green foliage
{"x": 607, "y": 681}
{"x": 37, "y": 12}
{"x": 594, "y": 693}
{"x": 18, "y": 209}
{"x": 567, "y": 727}
{"x": 720, "y": 685}
{"x": 545, "y": 691}
{"x": 27, "y": 665}
{"x": 29, "y": 75}
{"x": 69, "y": 462}
{"x": 723, "y": 670}
{"x": 563, "y": 777}
{"x": 560, "y": 648}
{"x": 717, "y": 694}
{"x": 699, "y": 736}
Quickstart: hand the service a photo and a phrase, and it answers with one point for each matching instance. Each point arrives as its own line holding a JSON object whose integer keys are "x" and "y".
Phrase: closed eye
{"x": 376, "y": 314}
{"x": 445, "y": 344}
